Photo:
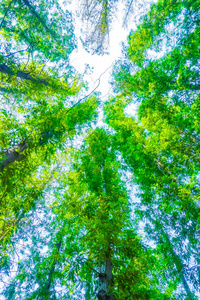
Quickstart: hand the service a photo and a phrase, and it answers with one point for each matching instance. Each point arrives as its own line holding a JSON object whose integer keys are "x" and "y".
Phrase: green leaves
{"x": 37, "y": 120}
{"x": 70, "y": 216}
{"x": 159, "y": 147}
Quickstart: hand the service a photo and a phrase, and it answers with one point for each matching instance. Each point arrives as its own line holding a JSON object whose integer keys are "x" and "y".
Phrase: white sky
{"x": 99, "y": 63}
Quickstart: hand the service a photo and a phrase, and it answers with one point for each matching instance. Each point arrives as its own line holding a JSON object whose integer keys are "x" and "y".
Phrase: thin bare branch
{"x": 6, "y": 13}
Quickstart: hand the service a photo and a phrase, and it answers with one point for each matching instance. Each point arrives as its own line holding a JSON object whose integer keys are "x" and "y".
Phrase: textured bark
{"x": 105, "y": 280}
{"x": 21, "y": 74}
{"x": 14, "y": 154}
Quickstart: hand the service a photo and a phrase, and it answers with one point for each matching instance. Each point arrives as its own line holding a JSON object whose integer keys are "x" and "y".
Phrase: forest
{"x": 95, "y": 210}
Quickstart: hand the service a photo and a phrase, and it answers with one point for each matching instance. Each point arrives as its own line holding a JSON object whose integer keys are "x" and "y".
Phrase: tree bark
{"x": 105, "y": 280}
{"x": 14, "y": 154}
{"x": 21, "y": 74}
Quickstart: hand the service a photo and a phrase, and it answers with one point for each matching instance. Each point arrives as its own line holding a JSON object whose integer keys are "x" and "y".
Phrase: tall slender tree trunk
{"x": 105, "y": 274}
{"x": 179, "y": 266}
{"x": 16, "y": 152}
{"x": 105, "y": 280}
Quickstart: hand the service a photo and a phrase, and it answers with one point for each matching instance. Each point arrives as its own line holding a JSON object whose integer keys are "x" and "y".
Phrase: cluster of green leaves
{"x": 43, "y": 27}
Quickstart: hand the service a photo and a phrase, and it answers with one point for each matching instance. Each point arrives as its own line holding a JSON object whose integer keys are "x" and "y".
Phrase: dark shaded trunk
{"x": 21, "y": 74}
{"x": 16, "y": 152}
{"x": 105, "y": 280}
{"x": 13, "y": 154}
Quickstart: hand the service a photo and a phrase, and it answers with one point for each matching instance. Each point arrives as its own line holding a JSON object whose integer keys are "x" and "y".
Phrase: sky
{"x": 99, "y": 63}
{"x": 103, "y": 65}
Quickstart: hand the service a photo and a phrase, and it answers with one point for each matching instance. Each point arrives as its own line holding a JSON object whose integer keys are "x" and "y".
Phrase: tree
{"x": 94, "y": 239}
{"x": 97, "y": 18}
{"x": 160, "y": 145}
{"x": 72, "y": 228}
{"x": 36, "y": 114}
{"x": 42, "y": 30}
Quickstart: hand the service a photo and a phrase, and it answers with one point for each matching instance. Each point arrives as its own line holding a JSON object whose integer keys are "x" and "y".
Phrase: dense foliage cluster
{"x": 99, "y": 212}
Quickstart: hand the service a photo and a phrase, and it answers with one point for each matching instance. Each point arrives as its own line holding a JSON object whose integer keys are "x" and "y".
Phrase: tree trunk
{"x": 105, "y": 280}
{"x": 179, "y": 266}
{"x": 14, "y": 154}
{"x": 21, "y": 74}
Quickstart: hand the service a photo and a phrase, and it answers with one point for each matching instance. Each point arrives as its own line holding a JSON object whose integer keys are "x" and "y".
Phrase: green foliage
{"x": 161, "y": 144}
{"x": 69, "y": 220}
{"x": 97, "y": 18}
{"x": 43, "y": 27}
{"x": 39, "y": 120}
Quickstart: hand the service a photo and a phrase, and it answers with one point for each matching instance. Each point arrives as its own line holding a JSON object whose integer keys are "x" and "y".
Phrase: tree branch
{"x": 6, "y": 13}
{"x": 99, "y": 81}
{"x": 35, "y": 13}
{"x": 21, "y": 74}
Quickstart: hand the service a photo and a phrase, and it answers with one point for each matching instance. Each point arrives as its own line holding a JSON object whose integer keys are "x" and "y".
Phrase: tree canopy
{"x": 107, "y": 211}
